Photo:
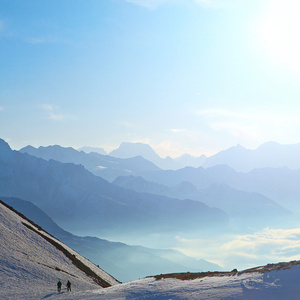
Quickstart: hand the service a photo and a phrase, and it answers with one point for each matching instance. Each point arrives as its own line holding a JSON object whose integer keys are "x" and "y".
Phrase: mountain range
{"x": 92, "y": 149}
{"x": 130, "y": 150}
{"x": 254, "y": 191}
{"x": 142, "y": 199}
{"x": 279, "y": 184}
{"x": 246, "y": 207}
{"x": 71, "y": 195}
{"x": 269, "y": 154}
{"x": 105, "y": 166}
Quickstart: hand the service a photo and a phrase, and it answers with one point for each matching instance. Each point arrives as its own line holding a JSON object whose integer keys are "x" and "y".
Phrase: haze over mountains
{"x": 118, "y": 259}
{"x": 215, "y": 186}
{"x": 71, "y": 195}
{"x": 129, "y": 150}
{"x": 133, "y": 200}
{"x": 93, "y": 149}
{"x": 279, "y": 184}
{"x": 32, "y": 261}
{"x": 270, "y": 154}
{"x": 104, "y": 166}
{"x": 240, "y": 205}
{"x": 267, "y": 172}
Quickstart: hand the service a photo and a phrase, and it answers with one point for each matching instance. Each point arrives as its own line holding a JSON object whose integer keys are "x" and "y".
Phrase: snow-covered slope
{"x": 276, "y": 282}
{"x": 32, "y": 261}
{"x": 271, "y": 282}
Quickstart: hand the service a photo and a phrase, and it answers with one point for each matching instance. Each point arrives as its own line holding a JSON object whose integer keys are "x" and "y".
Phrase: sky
{"x": 184, "y": 76}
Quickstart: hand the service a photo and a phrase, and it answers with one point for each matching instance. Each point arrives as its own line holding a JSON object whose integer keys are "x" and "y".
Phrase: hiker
{"x": 69, "y": 286}
{"x": 59, "y": 286}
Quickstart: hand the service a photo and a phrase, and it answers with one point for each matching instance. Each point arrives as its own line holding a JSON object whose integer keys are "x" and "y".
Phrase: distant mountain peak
{"x": 92, "y": 149}
{"x": 28, "y": 149}
{"x": 240, "y": 146}
{"x": 269, "y": 154}
{"x": 5, "y": 151}
{"x": 237, "y": 147}
{"x": 186, "y": 155}
{"x": 129, "y": 150}
{"x": 269, "y": 145}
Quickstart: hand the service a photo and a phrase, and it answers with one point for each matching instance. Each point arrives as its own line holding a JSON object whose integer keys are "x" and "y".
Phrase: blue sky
{"x": 194, "y": 76}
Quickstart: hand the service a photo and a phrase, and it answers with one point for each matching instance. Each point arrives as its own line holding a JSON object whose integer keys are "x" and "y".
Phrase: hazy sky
{"x": 194, "y": 76}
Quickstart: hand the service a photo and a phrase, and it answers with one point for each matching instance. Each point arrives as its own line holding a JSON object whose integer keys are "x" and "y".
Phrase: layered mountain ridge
{"x": 70, "y": 195}
{"x": 269, "y": 154}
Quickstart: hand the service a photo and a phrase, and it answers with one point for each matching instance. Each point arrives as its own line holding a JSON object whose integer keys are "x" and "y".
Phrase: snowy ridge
{"x": 274, "y": 281}
{"x": 30, "y": 266}
{"x": 261, "y": 269}
{"x": 107, "y": 279}
{"x": 79, "y": 261}
{"x": 278, "y": 284}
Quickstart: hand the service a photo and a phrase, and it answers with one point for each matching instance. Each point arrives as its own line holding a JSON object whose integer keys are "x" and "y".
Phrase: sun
{"x": 279, "y": 31}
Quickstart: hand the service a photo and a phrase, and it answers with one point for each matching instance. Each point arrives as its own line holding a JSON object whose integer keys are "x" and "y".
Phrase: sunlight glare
{"x": 279, "y": 31}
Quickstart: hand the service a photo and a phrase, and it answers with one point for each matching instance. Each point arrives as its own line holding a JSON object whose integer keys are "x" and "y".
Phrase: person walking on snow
{"x": 59, "y": 286}
{"x": 69, "y": 286}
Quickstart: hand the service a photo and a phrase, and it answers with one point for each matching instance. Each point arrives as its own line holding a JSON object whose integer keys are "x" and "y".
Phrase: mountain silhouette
{"x": 268, "y": 155}
{"x": 104, "y": 166}
{"x": 92, "y": 149}
{"x": 84, "y": 203}
{"x": 130, "y": 150}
